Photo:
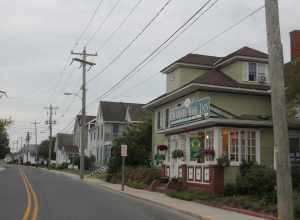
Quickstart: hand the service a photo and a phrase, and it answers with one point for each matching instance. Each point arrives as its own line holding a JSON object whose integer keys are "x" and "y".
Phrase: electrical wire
{"x": 131, "y": 42}
{"x": 99, "y": 28}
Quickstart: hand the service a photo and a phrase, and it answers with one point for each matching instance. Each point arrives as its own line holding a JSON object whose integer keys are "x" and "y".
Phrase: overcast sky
{"x": 37, "y": 36}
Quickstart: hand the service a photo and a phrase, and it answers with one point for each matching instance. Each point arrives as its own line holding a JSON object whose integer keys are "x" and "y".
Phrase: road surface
{"x": 28, "y": 193}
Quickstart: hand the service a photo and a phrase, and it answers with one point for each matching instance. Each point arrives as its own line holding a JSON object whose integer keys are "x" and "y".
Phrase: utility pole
{"x": 50, "y": 122}
{"x": 83, "y": 63}
{"x": 35, "y": 133}
{"x": 280, "y": 126}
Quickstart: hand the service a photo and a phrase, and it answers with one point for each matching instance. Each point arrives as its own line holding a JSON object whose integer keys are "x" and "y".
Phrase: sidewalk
{"x": 195, "y": 209}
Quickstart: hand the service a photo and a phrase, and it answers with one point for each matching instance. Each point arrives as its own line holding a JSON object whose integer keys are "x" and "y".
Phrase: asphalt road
{"x": 58, "y": 197}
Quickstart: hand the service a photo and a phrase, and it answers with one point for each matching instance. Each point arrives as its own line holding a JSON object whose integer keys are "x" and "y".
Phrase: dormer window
{"x": 256, "y": 72}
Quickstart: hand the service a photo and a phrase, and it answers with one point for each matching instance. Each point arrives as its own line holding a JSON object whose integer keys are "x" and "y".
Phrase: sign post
{"x": 123, "y": 155}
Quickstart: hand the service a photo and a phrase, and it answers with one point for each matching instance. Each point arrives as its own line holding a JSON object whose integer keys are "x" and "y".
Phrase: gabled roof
{"x": 116, "y": 111}
{"x": 244, "y": 52}
{"x": 218, "y": 78}
{"x": 63, "y": 139}
{"x": 218, "y": 81}
{"x": 193, "y": 59}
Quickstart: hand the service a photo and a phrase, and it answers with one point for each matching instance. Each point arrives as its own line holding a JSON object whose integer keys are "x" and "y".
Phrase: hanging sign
{"x": 190, "y": 111}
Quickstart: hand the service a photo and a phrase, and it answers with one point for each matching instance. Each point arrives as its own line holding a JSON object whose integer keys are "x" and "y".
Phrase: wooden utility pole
{"x": 83, "y": 63}
{"x": 50, "y": 122}
{"x": 280, "y": 125}
{"x": 35, "y": 133}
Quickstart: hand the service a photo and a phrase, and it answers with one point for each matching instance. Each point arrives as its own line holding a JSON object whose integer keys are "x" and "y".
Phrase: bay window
{"x": 242, "y": 145}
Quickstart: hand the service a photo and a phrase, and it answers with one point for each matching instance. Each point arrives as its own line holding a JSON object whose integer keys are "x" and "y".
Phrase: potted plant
{"x": 177, "y": 154}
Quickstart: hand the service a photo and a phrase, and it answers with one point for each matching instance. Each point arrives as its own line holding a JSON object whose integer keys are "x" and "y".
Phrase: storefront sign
{"x": 191, "y": 110}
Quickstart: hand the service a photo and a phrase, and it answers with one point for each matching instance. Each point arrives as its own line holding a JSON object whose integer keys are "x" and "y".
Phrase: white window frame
{"x": 239, "y": 152}
{"x": 259, "y": 67}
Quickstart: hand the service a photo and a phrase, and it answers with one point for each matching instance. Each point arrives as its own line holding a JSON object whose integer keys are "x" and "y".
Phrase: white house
{"x": 112, "y": 119}
{"x": 62, "y": 140}
{"x": 30, "y": 154}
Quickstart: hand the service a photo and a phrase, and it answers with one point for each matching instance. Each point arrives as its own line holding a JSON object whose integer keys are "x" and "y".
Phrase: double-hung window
{"x": 115, "y": 130}
{"x": 252, "y": 72}
{"x": 234, "y": 146}
{"x": 158, "y": 119}
{"x": 257, "y": 72}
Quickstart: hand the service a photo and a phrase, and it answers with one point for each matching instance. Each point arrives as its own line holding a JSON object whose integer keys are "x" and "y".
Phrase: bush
{"x": 191, "y": 195}
{"x": 296, "y": 178}
{"x": 230, "y": 189}
{"x": 136, "y": 184}
{"x": 143, "y": 175}
{"x": 257, "y": 180}
{"x": 297, "y": 204}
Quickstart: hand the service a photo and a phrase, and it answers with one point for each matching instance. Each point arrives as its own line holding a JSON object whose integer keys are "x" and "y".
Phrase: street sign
{"x": 124, "y": 150}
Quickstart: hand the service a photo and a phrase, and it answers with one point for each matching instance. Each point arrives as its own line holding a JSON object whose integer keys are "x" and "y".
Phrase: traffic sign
{"x": 124, "y": 150}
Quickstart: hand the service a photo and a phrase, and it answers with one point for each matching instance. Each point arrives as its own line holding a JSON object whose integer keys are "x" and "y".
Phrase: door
{"x": 173, "y": 162}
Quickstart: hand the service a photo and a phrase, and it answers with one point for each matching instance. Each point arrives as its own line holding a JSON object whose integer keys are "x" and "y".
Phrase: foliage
{"x": 89, "y": 162}
{"x": 257, "y": 180}
{"x": 141, "y": 175}
{"x": 177, "y": 154}
{"x": 44, "y": 149}
{"x": 223, "y": 161}
{"x": 138, "y": 138}
{"x": 297, "y": 204}
{"x": 292, "y": 78}
{"x": 296, "y": 178}
{"x": 245, "y": 166}
{"x": 4, "y": 140}
{"x": 191, "y": 195}
{"x": 136, "y": 184}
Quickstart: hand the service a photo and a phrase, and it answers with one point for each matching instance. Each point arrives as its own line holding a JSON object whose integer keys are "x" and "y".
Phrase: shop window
{"x": 234, "y": 146}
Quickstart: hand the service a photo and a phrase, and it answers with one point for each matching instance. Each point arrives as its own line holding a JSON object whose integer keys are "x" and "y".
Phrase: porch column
{"x": 217, "y": 142}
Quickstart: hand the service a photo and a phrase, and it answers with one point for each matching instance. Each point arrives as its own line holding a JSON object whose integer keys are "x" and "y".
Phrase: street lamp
{"x": 82, "y": 131}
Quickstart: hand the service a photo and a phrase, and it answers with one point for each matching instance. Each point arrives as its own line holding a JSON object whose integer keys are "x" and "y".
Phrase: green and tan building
{"x": 215, "y": 107}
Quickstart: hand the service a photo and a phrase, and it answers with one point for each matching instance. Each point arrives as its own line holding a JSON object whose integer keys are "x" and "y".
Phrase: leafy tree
{"x": 138, "y": 138}
{"x": 4, "y": 140}
{"x": 44, "y": 149}
{"x": 292, "y": 79}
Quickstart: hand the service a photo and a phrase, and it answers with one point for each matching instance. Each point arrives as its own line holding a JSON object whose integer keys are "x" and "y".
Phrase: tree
{"x": 44, "y": 149}
{"x": 4, "y": 140}
{"x": 292, "y": 79}
{"x": 138, "y": 138}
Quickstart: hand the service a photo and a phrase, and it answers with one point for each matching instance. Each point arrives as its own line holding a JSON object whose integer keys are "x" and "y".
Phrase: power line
{"x": 103, "y": 22}
{"x": 106, "y": 41}
{"x": 132, "y": 41}
{"x": 213, "y": 38}
{"x": 88, "y": 24}
{"x": 153, "y": 52}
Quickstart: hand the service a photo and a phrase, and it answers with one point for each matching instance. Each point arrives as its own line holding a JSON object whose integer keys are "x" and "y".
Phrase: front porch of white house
{"x": 197, "y": 166}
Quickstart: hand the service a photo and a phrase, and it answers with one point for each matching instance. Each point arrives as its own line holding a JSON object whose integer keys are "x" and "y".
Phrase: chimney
{"x": 295, "y": 44}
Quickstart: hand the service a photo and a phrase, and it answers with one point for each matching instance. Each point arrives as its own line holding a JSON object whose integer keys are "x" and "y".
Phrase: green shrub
{"x": 230, "y": 189}
{"x": 297, "y": 204}
{"x": 257, "y": 180}
{"x": 136, "y": 184}
{"x": 143, "y": 175}
{"x": 296, "y": 178}
{"x": 191, "y": 195}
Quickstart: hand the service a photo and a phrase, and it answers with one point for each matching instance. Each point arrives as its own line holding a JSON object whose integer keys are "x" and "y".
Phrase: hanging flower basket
{"x": 177, "y": 154}
{"x": 162, "y": 147}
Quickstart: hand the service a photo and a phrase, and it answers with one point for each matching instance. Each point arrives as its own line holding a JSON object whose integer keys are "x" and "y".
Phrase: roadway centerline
{"x": 30, "y": 195}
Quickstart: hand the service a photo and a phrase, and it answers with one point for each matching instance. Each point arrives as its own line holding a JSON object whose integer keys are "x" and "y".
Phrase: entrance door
{"x": 173, "y": 162}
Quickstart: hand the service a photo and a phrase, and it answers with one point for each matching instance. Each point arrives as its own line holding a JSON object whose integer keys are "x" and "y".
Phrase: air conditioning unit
{"x": 262, "y": 79}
